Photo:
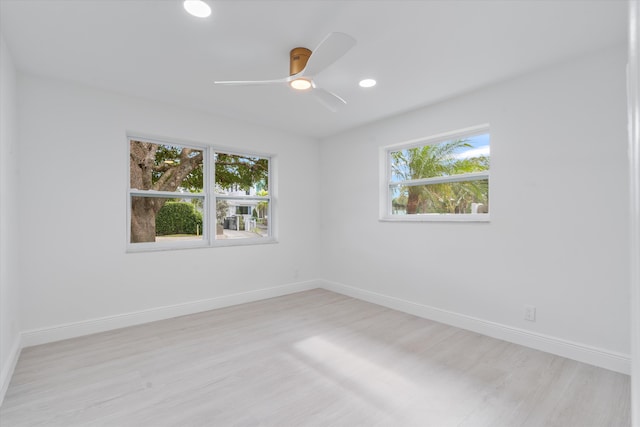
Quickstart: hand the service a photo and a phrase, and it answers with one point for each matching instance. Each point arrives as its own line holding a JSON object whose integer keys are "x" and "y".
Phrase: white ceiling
{"x": 420, "y": 52}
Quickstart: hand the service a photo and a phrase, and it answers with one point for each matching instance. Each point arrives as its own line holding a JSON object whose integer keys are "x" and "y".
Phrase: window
{"x": 188, "y": 196}
{"x": 242, "y": 210}
{"x": 242, "y": 196}
{"x": 439, "y": 178}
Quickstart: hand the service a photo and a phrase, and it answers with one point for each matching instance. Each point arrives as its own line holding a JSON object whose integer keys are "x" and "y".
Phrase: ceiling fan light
{"x": 197, "y": 8}
{"x": 367, "y": 83}
{"x": 300, "y": 84}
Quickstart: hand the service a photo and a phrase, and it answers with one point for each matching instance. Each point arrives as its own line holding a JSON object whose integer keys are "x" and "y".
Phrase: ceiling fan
{"x": 305, "y": 64}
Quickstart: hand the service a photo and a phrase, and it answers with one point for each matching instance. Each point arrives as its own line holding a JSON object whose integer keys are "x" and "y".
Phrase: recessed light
{"x": 197, "y": 8}
{"x": 367, "y": 83}
{"x": 300, "y": 84}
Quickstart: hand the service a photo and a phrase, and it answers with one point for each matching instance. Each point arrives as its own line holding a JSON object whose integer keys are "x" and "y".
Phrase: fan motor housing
{"x": 298, "y": 58}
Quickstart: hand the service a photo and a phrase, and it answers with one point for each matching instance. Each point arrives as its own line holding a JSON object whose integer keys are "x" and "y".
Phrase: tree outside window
{"x": 170, "y": 197}
{"x": 440, "y": 177}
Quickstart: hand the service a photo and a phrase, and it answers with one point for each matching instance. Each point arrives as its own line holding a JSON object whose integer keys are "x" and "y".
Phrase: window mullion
{"x": 209, "y": 188}
{"x": 167, "y": 194}
{"x": 227, "y": 197}
{"x": 473, "y": 176}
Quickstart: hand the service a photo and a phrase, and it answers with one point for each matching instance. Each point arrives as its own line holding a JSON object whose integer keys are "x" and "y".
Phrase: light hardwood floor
{"x": 313, "y": 358}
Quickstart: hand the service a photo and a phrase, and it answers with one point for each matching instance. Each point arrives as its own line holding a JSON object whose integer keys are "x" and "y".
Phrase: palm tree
{"x": 439, "y": 160}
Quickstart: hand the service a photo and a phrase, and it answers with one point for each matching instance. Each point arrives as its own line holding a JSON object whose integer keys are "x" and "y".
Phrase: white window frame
{"x": 385, "y": 209}
{"x": 208, "y": 197}
{"x": 215, "y": 197}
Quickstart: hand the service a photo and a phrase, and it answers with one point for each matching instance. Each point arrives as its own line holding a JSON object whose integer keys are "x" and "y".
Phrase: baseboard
{"x": 571, "y": 350}
{"x": 576, "y": 351}
{"x": 92, "y": 326}
{"x": 9, "y": 367}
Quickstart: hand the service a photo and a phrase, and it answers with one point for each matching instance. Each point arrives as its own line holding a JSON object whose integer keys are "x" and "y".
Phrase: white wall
{"x": 74, "y": 166}
{"x": 558, "y": 236}
{"x": 9, "y": 290}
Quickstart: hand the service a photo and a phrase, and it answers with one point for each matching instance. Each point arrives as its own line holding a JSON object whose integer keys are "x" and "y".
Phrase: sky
{"x": 479, "y": 147}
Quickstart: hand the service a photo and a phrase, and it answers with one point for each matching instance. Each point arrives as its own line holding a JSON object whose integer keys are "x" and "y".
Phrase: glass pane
{"x": 238, "y": 175}
{"x": 254, "y": 224}
{"x": 165, "y": 167}
{"x": 158, "y": 219}
{"x": 446, "y": 158}
{"x": 449, "y": 198}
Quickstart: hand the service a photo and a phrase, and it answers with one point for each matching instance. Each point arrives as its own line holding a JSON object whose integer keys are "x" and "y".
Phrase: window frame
{"x": 386, "y": 184}
{"x": 208, "y": 197}
{"x": 269, "y": 198}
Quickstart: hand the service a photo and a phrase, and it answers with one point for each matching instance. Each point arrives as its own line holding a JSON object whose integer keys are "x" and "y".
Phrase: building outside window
{"x": 242, "y": 196}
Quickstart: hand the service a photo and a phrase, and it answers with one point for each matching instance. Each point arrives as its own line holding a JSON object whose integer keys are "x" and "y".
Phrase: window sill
{"x": 437, "y": 218}
{"x": 156, "y": 247}
{"x": 243, "y": 242}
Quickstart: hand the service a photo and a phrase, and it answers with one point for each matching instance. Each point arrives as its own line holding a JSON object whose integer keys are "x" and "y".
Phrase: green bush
{"x": 178, "y": 218}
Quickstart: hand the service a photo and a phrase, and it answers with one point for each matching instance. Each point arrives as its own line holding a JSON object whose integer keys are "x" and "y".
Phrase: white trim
{"x": 384, "y": 204}
{"x": 633, "y": 91}
{"x": 572, "y": 350}
{"x": 169, "y": 245}
{"x": 160, "y": 140}
{"x": 437, "y": 217}
{"x": 472, "y": 176}
{"x": 248, "y": 241}
{"x": 165, "y": 194}
{"x": 441, "y": 137}
{"x": 107, "y": 323}
{"x": 9, "y": 367}
{"x": 243, "y": 197}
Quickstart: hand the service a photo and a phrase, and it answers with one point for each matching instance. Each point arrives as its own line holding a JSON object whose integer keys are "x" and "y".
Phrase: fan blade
{"x": 328, "y": 51}
{"x": 252, "y": 82}
{"x": 329, "y": 99}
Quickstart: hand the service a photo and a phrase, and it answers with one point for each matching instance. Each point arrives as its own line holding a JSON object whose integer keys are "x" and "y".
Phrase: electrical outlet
{"x": 530, "y": 313}
{"x": 296, "y": 273}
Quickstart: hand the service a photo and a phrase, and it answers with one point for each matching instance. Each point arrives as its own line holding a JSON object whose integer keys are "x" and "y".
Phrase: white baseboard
{"x": 92, "y": 326}
{"x": 576, "y": 351}
{"x": 9, "y": 367}
{"x": 583, "y": 353}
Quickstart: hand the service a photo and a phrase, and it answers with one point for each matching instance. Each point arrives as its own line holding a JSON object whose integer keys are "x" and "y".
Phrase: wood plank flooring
{"x": 313, "y": 358}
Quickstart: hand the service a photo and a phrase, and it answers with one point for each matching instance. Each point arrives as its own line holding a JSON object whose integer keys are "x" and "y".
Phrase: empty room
{"x": 319, "y": 213}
